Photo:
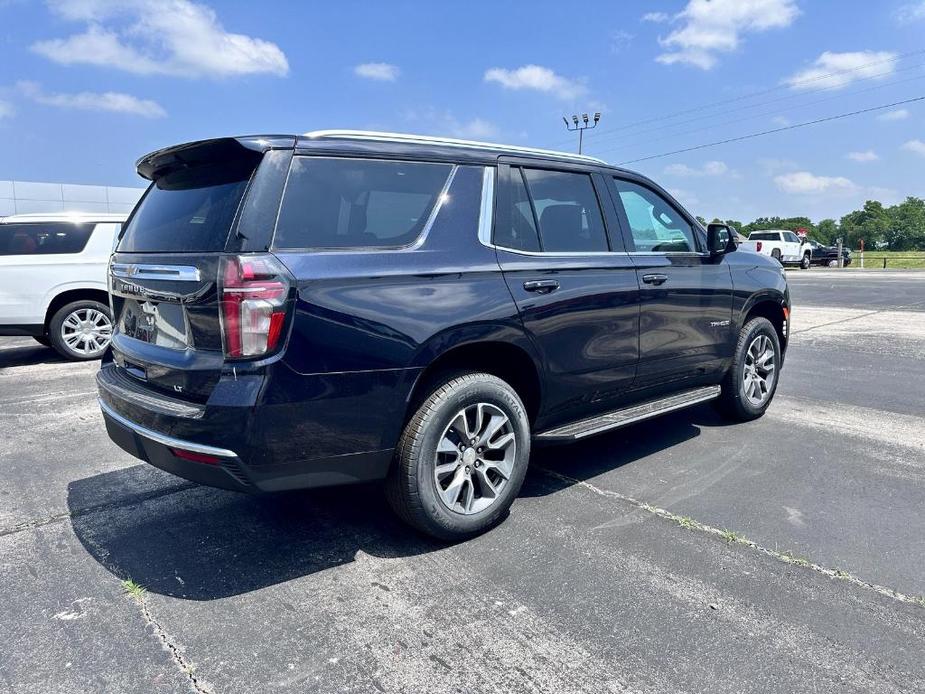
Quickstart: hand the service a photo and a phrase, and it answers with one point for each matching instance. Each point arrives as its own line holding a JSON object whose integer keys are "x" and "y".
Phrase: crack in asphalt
{"x": 175, "y": 652}
{"x": 108, "y": 506}
{"x": 840, "y": 320}
{"x": 730, "y": 537}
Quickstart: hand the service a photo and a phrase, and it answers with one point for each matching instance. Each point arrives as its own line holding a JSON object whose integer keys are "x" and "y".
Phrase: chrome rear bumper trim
{"x": 163, "y": 439}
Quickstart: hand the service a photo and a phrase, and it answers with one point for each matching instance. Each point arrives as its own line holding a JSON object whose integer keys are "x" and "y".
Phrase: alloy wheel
{"x": 86, "y": 331}
{"x": 475, "y": 458}
{"x": 759, "y": 370}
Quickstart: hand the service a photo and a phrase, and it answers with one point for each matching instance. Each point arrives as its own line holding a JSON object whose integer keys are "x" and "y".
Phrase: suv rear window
{"x": 190, "y": 210}
{"x": 44, "y": 238}
{"x": 357, "y": 203}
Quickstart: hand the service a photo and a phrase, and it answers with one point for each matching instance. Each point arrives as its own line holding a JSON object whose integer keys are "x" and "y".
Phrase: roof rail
{"x": 446, "y": 141}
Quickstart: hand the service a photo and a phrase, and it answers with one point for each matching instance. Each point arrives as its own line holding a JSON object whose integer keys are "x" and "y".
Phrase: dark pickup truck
{"x": 340, "y": 307}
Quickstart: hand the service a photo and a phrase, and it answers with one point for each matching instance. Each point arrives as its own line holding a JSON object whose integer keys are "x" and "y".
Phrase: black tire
{"x": 733, "y": 401}
{"x": 806, "y": 262}
{"x": 57, "y": 339}
{"x": 776, "y": 255}
{"x": 42, "y": 340}
{"x": 411, "y": 487}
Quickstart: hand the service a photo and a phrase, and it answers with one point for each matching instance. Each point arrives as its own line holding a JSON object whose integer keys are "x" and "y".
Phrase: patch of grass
{"x": 730, "y": 536}
{"x": 895, "y": 260}
{"x": 687, "y": 523}
{"x": 795, "y": 560}
{"x": 129, "y": 587}
{"x": 841, "y": 573}
{"x": 920, "y": 601}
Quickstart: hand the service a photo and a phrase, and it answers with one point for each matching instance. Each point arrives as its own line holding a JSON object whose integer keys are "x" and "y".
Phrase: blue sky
{"x": 86, "y": 86}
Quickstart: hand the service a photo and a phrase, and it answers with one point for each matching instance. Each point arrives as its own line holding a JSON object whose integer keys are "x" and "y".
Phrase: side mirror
{"x": 720, "y": 239}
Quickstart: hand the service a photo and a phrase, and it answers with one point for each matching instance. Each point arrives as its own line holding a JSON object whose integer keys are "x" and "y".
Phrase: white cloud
{"x": 898, "y": 114}
{"x": 910, "y": 13}
{"x": 715, "y": 26}
{"x": 804, "y": 182}
{"x": 537, "y": 78}
{"x": 151, "y": 37}
{"x": 837, "y": 70}
{"x": 384, "y": 72}
{"x": 868, "y": 155}
{"x": 477, "y": 128}
{"x": 781, "y": 121}
{"x": 6, "y": 109}
{"x": 710, "y": 168}
{"x": 915, "y": 146}
{"x": 656, "y": 17}
{"x": 94, "y": 101}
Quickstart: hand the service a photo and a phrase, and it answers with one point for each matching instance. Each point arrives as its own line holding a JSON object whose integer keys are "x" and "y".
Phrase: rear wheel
{"x": 776, "y": 255}
{"x": 751, "y": 381}
{"x": 81, "y": 330}
{"x": 462, "y": 458}
{"x": 806, "y": 262}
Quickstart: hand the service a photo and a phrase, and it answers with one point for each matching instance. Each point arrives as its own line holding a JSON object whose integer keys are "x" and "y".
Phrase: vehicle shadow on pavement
{"x": 596, "y": 455}
{"x": 28, "y": 355}
{"x": 200, "y": 543}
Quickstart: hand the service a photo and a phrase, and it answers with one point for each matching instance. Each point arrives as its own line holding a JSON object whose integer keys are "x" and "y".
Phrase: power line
{"x": 759, "y": 104}
{"x": 752, "y": 95}
{"x": 774, "y": 130}
{"x": 623, "y": 144}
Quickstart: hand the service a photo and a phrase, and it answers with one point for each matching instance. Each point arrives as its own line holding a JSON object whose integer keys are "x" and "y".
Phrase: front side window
{"x": 44, "y": 238}
{"x": 357, "y": 203}
{"x": 791, "y": 237}
{"x": 567, "y": 210}
{"x": 655, "y": 224}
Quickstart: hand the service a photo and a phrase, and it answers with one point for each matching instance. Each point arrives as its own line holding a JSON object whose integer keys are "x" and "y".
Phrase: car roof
{"x": 73, "y": 217}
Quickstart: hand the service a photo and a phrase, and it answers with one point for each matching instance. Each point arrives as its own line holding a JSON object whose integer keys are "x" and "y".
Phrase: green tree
{"x": 826, "y": 231}
{"x": 906, "y": 229}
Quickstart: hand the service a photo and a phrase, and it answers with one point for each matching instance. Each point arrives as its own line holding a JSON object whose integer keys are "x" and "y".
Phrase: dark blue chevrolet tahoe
{"x": 340, "y": 307}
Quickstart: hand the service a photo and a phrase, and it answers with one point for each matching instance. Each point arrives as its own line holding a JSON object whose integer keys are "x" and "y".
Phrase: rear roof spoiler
{"x": 191, "y": 154}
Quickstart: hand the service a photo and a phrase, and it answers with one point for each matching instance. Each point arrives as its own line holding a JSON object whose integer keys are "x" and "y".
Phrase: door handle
{"x": 655, "y": 278}
{"x": 541, "y": 286}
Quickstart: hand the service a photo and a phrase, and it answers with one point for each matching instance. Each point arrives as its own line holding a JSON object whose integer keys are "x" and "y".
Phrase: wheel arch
{"x": 68, "y": 296}
{"x": 512, "y": 361}
{"x": 771, "y": 306}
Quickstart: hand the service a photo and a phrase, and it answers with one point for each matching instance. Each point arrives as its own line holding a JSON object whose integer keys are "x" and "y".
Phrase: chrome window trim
{"x": 486, "y": 210}
{"x": 174, "y": 273}
{"x": 163, "y": 439}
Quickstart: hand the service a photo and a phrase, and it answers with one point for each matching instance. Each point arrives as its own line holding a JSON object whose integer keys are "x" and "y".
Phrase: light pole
{"x": 582, "y": 126}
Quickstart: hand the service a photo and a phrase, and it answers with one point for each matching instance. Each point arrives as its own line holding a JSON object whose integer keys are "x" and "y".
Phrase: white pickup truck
{"x": 785, "y": 246}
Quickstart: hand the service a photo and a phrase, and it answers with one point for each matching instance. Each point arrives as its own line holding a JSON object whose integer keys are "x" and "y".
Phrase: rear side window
{"x": 764, "y": 236}
{"x": 521, "y": 233}
{"x": 567, "y": 210}
{"x": 357, "y": 203}
{"x": 187, "y": 211}
{"x": 48, "y": 238}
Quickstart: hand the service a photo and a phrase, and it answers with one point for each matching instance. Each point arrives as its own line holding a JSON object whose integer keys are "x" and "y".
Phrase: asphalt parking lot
{"x": 611, "y": 574}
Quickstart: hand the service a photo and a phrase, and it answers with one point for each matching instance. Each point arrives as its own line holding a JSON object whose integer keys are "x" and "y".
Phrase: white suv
{"x": 53, "y": 280}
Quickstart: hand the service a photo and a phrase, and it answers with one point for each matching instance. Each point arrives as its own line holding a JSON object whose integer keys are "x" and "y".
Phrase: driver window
{"x": 656, "y": 225}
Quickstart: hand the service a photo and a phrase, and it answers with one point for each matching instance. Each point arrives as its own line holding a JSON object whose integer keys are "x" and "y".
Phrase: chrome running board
{"x": 629, "y": 415}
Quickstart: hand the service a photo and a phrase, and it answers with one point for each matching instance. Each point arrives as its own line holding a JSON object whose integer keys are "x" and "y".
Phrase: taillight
{"x": 254, "y": 290}
{"x": 758, "y": 246}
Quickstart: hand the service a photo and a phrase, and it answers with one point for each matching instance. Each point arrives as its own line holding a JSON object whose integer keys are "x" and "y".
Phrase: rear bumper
{"x": 246, "y": 440}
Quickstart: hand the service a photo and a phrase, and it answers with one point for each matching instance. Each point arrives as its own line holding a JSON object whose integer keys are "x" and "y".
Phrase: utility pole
{"x": 581, "y": 127}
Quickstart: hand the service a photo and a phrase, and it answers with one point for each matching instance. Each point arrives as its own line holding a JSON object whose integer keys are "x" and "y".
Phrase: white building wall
{"x": 21, "y": 197}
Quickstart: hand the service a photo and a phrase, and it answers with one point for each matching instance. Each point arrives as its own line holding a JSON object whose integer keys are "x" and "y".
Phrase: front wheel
{"x": 806, "y": 262}
{"x": 751, "y": 381}
{"x": 462, "y": 458}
